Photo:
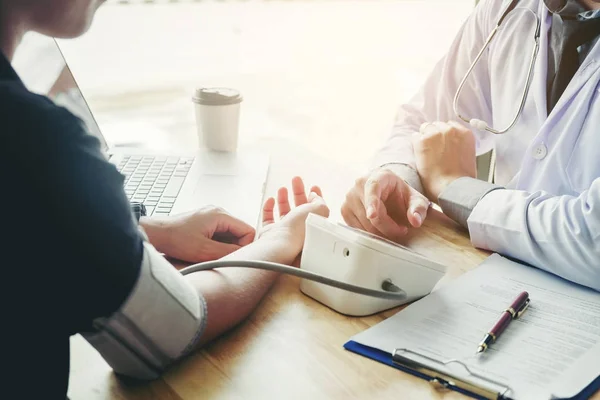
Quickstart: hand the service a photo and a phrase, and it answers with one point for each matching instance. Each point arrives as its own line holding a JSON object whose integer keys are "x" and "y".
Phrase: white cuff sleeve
{"x": 407, "y": 173}
{"x": 160, "y": 322}
{"x": 462, "y": 195}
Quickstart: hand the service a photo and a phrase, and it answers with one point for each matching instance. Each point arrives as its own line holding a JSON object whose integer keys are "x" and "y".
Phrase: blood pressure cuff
{"x": 160, "y": 322}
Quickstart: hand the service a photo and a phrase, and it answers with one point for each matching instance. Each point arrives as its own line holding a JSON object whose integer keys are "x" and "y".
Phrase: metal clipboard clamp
{"x": 442, "y": 380}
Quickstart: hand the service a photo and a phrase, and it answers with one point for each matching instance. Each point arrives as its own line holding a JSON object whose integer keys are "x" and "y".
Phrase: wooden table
{"x": 291, "y": 347}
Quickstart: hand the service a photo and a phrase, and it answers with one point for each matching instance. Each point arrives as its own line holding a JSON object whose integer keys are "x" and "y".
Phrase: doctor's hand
{"x": 285, "y": 236}
{"x": 202, "y": 235}
{"x": 384, "y": 204}
{"x": 444, "y": 152}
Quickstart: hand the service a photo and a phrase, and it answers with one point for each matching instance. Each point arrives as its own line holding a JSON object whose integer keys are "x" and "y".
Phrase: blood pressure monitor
{"x": 362, "y": 259}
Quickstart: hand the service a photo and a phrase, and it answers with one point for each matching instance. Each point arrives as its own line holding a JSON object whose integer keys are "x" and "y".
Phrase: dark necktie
{"x": 567, "y": 35}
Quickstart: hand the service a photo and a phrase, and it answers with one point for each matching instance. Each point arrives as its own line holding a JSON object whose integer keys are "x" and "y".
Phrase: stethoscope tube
{"x": 478, "y": 123}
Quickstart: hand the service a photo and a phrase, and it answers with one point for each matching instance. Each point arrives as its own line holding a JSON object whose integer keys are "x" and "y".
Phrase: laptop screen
{"x": 43, "y": 69}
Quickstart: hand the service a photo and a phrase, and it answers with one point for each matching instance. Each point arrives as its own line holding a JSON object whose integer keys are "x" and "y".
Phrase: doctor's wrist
{"x": 439, "y": 186}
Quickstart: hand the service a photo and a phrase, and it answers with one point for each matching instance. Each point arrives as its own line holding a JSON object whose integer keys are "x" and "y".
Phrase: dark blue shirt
{"x": 71, "y": 247}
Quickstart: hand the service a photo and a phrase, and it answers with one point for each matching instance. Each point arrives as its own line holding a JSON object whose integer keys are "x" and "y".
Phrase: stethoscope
{"x": 482, "y": 125}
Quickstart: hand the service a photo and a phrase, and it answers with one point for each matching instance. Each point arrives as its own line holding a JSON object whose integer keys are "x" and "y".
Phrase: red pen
{"x": 516, "y": 309}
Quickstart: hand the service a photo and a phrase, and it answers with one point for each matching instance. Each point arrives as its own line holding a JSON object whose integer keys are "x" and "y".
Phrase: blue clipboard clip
{"x": 441, "y": 380}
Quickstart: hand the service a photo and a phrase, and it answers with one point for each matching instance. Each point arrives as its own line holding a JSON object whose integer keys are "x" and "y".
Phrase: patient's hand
{"x": 202, "y": 235}
{"x": 211, "y": 233}
{"x": 287, "y": 234}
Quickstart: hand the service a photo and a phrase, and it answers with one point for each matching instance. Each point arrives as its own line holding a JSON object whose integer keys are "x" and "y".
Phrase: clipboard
{"x": 398, "y": 343}
{"x": 438, "y": 379}
{"x": 443, "y": 381}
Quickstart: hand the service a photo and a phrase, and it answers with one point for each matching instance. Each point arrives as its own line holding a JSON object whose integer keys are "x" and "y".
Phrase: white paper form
{"x": 553, "y": 348}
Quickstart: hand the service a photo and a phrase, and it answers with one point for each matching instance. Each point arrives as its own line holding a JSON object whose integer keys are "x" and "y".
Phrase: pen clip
{"x": 522, "y": 310}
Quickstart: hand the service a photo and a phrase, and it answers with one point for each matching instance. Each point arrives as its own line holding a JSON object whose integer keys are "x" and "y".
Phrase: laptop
{"x": 167, "y": 183}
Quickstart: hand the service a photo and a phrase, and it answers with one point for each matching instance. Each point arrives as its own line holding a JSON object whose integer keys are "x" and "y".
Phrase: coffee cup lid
{"x": 217, "y": 96}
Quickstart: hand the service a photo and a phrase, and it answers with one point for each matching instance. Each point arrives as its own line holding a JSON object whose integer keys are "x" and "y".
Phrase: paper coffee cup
{"x": 218, "y": 117}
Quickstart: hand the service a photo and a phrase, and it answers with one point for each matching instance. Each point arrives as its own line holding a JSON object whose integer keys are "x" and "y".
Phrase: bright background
{"x": 323, "y": 74}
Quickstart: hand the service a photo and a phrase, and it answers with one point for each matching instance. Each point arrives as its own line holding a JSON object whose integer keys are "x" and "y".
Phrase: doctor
{"x": 544, "y": 205}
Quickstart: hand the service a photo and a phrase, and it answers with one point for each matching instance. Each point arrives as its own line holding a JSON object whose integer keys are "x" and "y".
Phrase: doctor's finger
{"x": 377, "y": 188}
{"x": 355, "y": 208}
{"x": 386, "y": 225}
{"x": 350, "y": 218}
{"x": 416, "y": 209}
{"x": 368, "y": 226}
{"x": 364, "y": 221}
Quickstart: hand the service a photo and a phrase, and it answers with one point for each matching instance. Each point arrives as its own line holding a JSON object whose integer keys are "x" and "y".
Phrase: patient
{"x": 79, "y": 260}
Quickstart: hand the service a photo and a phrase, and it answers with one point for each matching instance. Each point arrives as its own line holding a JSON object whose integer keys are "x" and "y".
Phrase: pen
{"x": 516, "y": 309}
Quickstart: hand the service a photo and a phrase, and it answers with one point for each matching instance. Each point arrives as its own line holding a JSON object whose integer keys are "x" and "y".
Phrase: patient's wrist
{"x": 267, "y": 248}
{"x": 157, "y": 230}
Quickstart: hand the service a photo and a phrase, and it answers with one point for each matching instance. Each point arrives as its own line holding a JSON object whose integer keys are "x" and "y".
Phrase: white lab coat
{"x": 550, "y": 216}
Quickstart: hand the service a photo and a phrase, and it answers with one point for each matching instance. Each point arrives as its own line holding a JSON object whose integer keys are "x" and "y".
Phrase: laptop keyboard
{"x": 154, "y": 180}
